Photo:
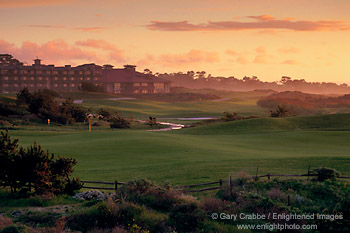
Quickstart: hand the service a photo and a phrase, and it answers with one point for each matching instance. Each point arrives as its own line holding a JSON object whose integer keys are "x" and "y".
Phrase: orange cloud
{"x": 242, "y": 60}
{"x": 231, "y": 52}
{"x": 288, "y": 50}
{"x": 55, "y": 51}
{"x": 290, "y": 62}
{"x": 32, "y": 3}
{"x": 261, "y": 22}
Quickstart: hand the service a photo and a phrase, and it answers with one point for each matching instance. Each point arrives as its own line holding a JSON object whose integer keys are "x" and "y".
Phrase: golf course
{"x": 207, "y": 152}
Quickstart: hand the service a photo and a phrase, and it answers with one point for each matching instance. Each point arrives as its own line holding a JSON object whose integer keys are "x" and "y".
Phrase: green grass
{"x": 203, "y": 153}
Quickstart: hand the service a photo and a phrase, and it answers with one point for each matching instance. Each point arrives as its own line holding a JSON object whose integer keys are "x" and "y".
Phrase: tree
{"x": 23, "y": 169}
{"x": 280, "y": 111}
{"x": 90, "y": 87}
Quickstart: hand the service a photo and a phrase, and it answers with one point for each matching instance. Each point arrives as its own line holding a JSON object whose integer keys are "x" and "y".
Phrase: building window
{"x": 136, "y": 84}
{"x": 5, "y": 85}
{"x": 144, "y": 91}
{"x": 55, "y": 85}
{"x": 144, "y": 84}
{"x": 65, "y": 85}
{"x": 40, "y": 78}
{"x": 15, "y": 78}
{"x": 15, "y": 71}
{"x": 47, "y": 72}
{"x": 158, "y": 85}
{"x": 6, "y": 78}
{"x": 40, "y": 85}
{"x": 31, "y": 78}
{"x": 88, "y": 79}
{"x": 87, "y": 72}
{"x": 96, "y": 79}
{"x": 56, "y": 78}
{"x": 64, "y": 72}
{"x": 32, "y": 85}
{"x": 72, "y": 85}
{"x": 72, "y": 79}
{"x": 24, "y": 78}
{"x": 23, "y": 71}
{"x": 4, "y": 71}
{"x": 39, "y": 72}
{"x": 55, "y": 72}
{"x": 16, "y": 84}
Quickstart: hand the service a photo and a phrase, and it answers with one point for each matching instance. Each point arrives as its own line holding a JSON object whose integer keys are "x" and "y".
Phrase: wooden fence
{"x": 188, "y": 188}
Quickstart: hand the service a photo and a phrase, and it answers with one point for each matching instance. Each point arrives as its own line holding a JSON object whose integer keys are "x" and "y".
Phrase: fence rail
{"x": 187, "y": 188}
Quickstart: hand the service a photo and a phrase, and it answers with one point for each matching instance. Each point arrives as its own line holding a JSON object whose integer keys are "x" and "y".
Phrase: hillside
{"x": 338, "y": 122}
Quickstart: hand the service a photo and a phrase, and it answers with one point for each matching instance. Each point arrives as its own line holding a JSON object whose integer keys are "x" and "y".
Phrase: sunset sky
{"x": 306, "y": 39}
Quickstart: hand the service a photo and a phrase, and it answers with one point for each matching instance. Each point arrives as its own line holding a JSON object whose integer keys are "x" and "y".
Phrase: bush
{"x": 147, "y": 193}
{"x": 14, "y": 229}
{"x": 119, "y": 122}
{"x": 186, "y": 217}
{"x": 24, "y": 169}
{"x": 324, "y": 173}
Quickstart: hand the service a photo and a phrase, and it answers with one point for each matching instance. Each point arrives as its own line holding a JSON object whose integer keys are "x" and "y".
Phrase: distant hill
{"x": 338, "y": 122}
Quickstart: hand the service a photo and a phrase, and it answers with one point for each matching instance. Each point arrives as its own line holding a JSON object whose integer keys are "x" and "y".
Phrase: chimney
{"x": 37, "y": 62}
{"x": 129, "y": 67}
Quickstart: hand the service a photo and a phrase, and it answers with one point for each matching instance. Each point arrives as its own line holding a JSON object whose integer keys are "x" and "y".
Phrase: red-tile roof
{"x": 122, "y": 76}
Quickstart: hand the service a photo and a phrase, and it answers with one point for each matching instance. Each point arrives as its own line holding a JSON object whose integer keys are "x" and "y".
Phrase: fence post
{"x": 115, "y": 185}
{"x": 220, "y": 183}
{"x": 268, "y": 176}
{"x": 229, "y": 185}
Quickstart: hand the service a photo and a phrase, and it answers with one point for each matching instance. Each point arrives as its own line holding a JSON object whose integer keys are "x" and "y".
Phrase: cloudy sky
{"x": 306, "y": 39}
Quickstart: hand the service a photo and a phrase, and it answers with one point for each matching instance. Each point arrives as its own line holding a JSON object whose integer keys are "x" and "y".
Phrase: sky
{"x": 302, "y": 39}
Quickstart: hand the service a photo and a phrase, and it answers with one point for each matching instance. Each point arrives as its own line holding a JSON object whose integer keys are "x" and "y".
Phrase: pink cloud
{"x": 194, "y": 56}
{"x": 45, "y": 26}
{"x": 55, "y": 51}
{"x": 90, "y": 29}
{"x": 32, "y": 3}
{"x": 113, "y": 52}
{"x": 261, "y": 22}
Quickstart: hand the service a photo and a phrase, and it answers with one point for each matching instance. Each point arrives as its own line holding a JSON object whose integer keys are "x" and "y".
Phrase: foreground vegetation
{"x": 143, "y": 206}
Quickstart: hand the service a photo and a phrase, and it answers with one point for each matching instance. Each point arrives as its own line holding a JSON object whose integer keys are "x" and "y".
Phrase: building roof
{"x": 125, "y": 76}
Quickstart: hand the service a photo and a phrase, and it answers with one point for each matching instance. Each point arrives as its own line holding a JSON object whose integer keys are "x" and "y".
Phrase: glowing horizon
{"x": 264, "y": 38}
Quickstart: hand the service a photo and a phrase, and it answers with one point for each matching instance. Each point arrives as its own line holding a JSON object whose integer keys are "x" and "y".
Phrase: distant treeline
{"x": 302, "y": 102}
{"x": 200, "y": 80}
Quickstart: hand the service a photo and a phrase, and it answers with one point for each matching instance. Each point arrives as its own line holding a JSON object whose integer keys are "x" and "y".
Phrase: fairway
{"x": 204, "y": 153}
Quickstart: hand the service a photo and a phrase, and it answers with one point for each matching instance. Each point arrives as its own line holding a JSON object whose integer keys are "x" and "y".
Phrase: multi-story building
{"x": 14, "y": 76}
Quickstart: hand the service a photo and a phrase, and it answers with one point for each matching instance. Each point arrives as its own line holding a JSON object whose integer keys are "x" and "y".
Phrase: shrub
{"x": 186, "y": 217}
{"x": 324, "y": 173}
{"x": 14, "y": 229}
{"x": 24, "y": 169}
{"x": 119, "y": 122}
{"x": 147, "y": 193}
{"x": 280, "y": 111}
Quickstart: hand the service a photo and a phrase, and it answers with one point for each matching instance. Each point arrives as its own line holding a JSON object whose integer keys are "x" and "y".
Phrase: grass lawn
{"x": 204, "y": 153}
